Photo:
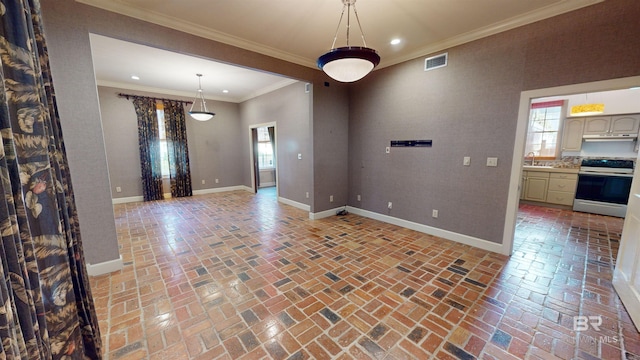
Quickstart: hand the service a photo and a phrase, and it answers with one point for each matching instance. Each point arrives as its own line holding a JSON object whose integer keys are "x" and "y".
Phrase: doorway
{"x": 526, "y": 98}
{"x": 264, "y": 169}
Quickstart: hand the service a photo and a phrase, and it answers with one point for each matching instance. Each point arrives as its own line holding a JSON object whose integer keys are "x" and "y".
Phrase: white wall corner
{"x": 105, "y": 267}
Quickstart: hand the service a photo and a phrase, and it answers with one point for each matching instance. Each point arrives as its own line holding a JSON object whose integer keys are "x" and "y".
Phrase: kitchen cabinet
{"x": 572, "y": 134}
{"x": 612, "y": 125}
{"x": 536, "y": 185}
{"x": 562, "y": 188}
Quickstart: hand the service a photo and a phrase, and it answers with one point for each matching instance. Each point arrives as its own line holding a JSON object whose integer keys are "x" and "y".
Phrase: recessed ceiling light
{"x": 225, "y": 91}
{"x": 135, "y": 77}
{"x": 634, "y": 88}
{"x": 395, "y": 41}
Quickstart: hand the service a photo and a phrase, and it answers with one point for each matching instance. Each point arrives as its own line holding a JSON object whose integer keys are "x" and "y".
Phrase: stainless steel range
{"x": 604, "y": 186}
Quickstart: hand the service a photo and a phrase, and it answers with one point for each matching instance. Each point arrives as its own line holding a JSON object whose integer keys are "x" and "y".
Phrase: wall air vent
{"x": 435, "y": 62}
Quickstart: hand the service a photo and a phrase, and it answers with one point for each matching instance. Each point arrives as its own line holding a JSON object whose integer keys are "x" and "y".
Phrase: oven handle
{"x": 603, "y": 174}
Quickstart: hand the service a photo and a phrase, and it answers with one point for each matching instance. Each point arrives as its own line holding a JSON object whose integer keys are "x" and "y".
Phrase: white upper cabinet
{"x": 625, "y": 124}
{"x": 572, "y": 134}
{"x": 612, "y": 125}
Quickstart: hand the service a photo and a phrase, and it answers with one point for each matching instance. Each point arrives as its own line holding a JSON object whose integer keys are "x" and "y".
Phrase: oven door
{"x": 607, "y": 188}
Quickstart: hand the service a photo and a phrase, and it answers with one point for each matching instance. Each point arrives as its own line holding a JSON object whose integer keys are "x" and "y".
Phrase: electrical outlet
{"x": 358, "y": 197}
{"x": 299, "y": 156}
{"x": 118, "y": 189}
{"x": 307, "y": 194}
{"x": 390, "y": 205}
{"x": 434, "y": 213}
{"x": 492, "y": 161}
{"x": 202, "y": 181}
{"x": 330, "y": 198}
{"x": 217, "y": 181}
{"x": 466, "y": 161}
{"x": 387, "y": 150}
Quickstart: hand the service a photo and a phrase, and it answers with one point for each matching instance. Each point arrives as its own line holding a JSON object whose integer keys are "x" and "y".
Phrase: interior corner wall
{"x": 288, "y": 107}
{"x": 214, "y": 152}
{"x": 330, "y": 146}
{"x": 470, "y": 108}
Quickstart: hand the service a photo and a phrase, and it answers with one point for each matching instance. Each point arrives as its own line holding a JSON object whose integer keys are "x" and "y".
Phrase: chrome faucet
{"x": 533, "y": 157}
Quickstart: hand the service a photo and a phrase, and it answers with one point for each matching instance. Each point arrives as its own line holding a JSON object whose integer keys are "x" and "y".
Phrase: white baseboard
{"x": 295, "y": 204}
{"x": 195, "y": 192}
{"x": 267, "y": 184}
{"x": 445, "y": 234}
{"x": 222, "y": 189}
{"x": 105, "y": 267}
{"x": 324, "y": 214}
{"x": 127, "y": 199}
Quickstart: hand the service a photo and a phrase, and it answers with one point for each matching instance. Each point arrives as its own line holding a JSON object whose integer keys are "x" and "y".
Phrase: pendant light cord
{"x": 347, "y": 6}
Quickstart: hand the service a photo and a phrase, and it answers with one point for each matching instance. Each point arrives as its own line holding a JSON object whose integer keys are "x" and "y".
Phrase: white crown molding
{"x": 509, "y": 24}
{"x": 181, "y": 25}
{"x": 237, "y": 100}
{"x": 184, "y": 26}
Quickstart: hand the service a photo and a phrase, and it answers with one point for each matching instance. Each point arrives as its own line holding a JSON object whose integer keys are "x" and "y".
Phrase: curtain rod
{"x": 127, "y": 96}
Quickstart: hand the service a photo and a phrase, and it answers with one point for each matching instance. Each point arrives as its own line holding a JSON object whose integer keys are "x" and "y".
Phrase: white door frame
{"x": 253, "y": 175}
{"x": 520, "y": 141}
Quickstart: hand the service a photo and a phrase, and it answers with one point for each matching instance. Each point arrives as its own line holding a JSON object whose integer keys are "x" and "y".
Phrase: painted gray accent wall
{"x": 289, "y": 108}
{"x": 214, "y": 149}
{"x": 470, "y": 108}
{"x": 330, "y": 146}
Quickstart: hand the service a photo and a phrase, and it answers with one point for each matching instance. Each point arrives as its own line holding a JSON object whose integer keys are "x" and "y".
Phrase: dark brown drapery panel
{"x": 46, "y": 307}
{"x": 149, "y": 142}
{"x": 177, "y": 148}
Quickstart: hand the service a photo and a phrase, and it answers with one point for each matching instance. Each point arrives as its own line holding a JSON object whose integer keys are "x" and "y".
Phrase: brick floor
{"x": 237, "y": 276}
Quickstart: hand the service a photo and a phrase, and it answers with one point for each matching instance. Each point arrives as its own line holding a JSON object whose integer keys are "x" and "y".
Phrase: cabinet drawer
{"x": 568, "y": 185}
{"x": 560, "y": 197}
{"x": 538, "y": 174}
{"x": 563, "y": 176}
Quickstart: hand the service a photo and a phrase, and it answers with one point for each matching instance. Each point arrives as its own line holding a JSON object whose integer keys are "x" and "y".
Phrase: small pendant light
{"x": 201, "y": 113}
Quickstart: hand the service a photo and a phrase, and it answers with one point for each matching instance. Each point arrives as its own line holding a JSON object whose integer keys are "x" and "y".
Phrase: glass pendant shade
{"x": 349, "y": 64}
{"x": 587, "y": 109}
{"x": 199, "y": 112}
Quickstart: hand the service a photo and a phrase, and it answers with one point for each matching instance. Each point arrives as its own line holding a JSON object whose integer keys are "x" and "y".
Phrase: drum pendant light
{"x": 201, "y": 113}
{"x": 348, "y": 63}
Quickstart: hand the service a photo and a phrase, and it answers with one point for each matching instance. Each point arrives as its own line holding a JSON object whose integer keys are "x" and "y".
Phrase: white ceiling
{"x": 297, "y": 31}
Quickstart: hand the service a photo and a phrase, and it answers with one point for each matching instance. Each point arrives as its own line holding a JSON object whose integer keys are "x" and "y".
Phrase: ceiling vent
{"x": 435, "y": 62}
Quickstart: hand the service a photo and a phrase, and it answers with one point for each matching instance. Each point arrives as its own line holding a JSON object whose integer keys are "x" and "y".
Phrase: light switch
{"x": 387, "y": 150}
{"x": 466, "y": 161}
{"x": 492, "y": 161}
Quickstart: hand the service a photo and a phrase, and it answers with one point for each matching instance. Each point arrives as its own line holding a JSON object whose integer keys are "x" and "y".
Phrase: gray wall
{"x": 214, "y": 151}
{"x": 288, "y": 107}
{"x": 470, "y": 108}
{"x": 67, "y": 27}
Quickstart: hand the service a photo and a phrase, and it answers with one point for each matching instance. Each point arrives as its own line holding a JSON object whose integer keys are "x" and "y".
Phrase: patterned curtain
{"x": 176, "y": 129}
{"x": 46, "y": 307}
{"x": 149, "y": 142}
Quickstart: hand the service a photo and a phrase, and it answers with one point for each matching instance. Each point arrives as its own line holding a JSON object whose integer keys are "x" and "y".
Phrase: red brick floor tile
{"x": 205, "y": 280}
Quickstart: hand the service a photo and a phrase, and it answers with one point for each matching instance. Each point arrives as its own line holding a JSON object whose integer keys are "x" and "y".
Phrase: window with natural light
{"x": 164, "y": 152}
{"x": 265, "y": 150}
{"x": 543, "y": 136}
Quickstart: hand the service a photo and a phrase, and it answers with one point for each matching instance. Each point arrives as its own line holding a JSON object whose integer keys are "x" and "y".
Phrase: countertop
{"x": 551, "y": 169}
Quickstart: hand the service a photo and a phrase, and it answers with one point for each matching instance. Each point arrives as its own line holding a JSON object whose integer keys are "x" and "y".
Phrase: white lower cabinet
{"x": 550, "y": 187}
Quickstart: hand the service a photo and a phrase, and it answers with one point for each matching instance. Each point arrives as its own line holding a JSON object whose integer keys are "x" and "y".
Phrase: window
{"x": 545, "y": 121}
{"x": 265, "y": 150}
{"x": 164, "y": 152}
